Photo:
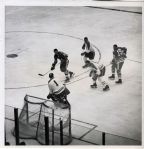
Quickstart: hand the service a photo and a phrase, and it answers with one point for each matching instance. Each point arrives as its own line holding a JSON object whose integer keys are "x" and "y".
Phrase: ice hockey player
{"x": 57, "y": 92}
{"x": 97, "y": 72}
{"x": 88, "y": 51}
{"x": 63, "y": 57}
{"x": 119, "y": 55}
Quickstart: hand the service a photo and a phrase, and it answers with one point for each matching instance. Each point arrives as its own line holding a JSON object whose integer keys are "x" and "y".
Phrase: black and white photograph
{"x": 73, "y": 75}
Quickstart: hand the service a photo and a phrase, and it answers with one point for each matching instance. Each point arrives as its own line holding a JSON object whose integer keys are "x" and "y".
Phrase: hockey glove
{"x": 53, "y": 67}
{"x": 82, "y": 53}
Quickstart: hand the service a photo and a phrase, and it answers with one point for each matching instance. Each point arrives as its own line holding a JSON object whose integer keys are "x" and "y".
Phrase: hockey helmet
{"x": 51, "y": 75}
{"x": 55, "y": 50}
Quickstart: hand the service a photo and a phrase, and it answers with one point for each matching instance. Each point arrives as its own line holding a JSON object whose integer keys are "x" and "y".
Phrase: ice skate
{"x": 119, "y": 81}
{"x": 93, "y": 85}
{"x": 106, "y": 88}
{"x": 71, "y": 74}
{"x": 112, "y": 77}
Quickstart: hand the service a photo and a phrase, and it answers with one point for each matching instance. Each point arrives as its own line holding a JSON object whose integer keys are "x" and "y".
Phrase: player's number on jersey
{"x": 56, "y": 83}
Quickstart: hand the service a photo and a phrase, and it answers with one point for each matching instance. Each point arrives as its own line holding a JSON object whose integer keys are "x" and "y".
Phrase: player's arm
{"x": 50, "y": 89}
{"x": 83, "y": 46}
{"x": 125, "y": 52}
{"x": 50, "y": 92}
{"x": 55, "y": 62}
{"x": 88, "y": 45}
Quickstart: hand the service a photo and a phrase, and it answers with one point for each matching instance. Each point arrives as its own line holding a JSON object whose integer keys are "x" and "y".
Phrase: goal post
{"x": 32, "y": 120}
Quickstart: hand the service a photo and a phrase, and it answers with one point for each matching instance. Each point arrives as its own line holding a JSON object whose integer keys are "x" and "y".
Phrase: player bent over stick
{"x": 63, "y": 57}
{"x": 89, "y": 51}
{"x": 97, "y": 72}
{"x": 57, "y": 92}
{"x": 119, "y": 55}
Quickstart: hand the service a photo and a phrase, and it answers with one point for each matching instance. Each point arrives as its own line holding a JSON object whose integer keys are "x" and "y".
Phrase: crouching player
{"x": 97, "y": 72}
{"x": 57, "y": 92}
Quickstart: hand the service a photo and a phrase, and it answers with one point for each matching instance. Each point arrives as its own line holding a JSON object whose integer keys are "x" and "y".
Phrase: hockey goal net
{"x": 32, "y": 124}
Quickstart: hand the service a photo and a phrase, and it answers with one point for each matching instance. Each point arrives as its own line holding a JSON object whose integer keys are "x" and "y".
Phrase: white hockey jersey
{"x": 90, "y": 49}
{"x": 54, "y": 87}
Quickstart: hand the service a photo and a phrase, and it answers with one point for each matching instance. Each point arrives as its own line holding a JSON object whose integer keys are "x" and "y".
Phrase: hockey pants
{"x": 117, "y": 67}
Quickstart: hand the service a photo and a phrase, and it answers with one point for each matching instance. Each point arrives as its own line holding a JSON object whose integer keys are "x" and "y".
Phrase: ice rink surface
{"x": 33, "y": 32}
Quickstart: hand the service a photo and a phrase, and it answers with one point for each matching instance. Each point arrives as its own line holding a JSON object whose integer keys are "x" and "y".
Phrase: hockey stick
{"x": 45, "y": 73}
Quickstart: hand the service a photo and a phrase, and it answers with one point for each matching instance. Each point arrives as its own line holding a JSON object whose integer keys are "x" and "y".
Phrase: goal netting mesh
{"x": 32, "y": 124}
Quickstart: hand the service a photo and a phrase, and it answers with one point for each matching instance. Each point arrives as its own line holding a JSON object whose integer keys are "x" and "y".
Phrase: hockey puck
{"x": 12, "y": 55}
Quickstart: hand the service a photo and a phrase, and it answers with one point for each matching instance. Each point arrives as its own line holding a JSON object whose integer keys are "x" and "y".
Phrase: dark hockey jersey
{"x": 120, "y": 54}
{"x": 61, "y": 56}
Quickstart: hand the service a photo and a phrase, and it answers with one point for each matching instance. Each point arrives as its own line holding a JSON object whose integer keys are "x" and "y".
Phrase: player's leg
{"x": 63, "y": 68}
{"x": 94, "y": 78}
{"x": 63, "y": 97}
{"x": 100, "y": 79}
{"x": 85, "y": 59}
{"x": 113, "y": 68}
{"x": 119, "y": 67}
{"x": 104, "y": 84}
{"x": 71, "y": 74}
